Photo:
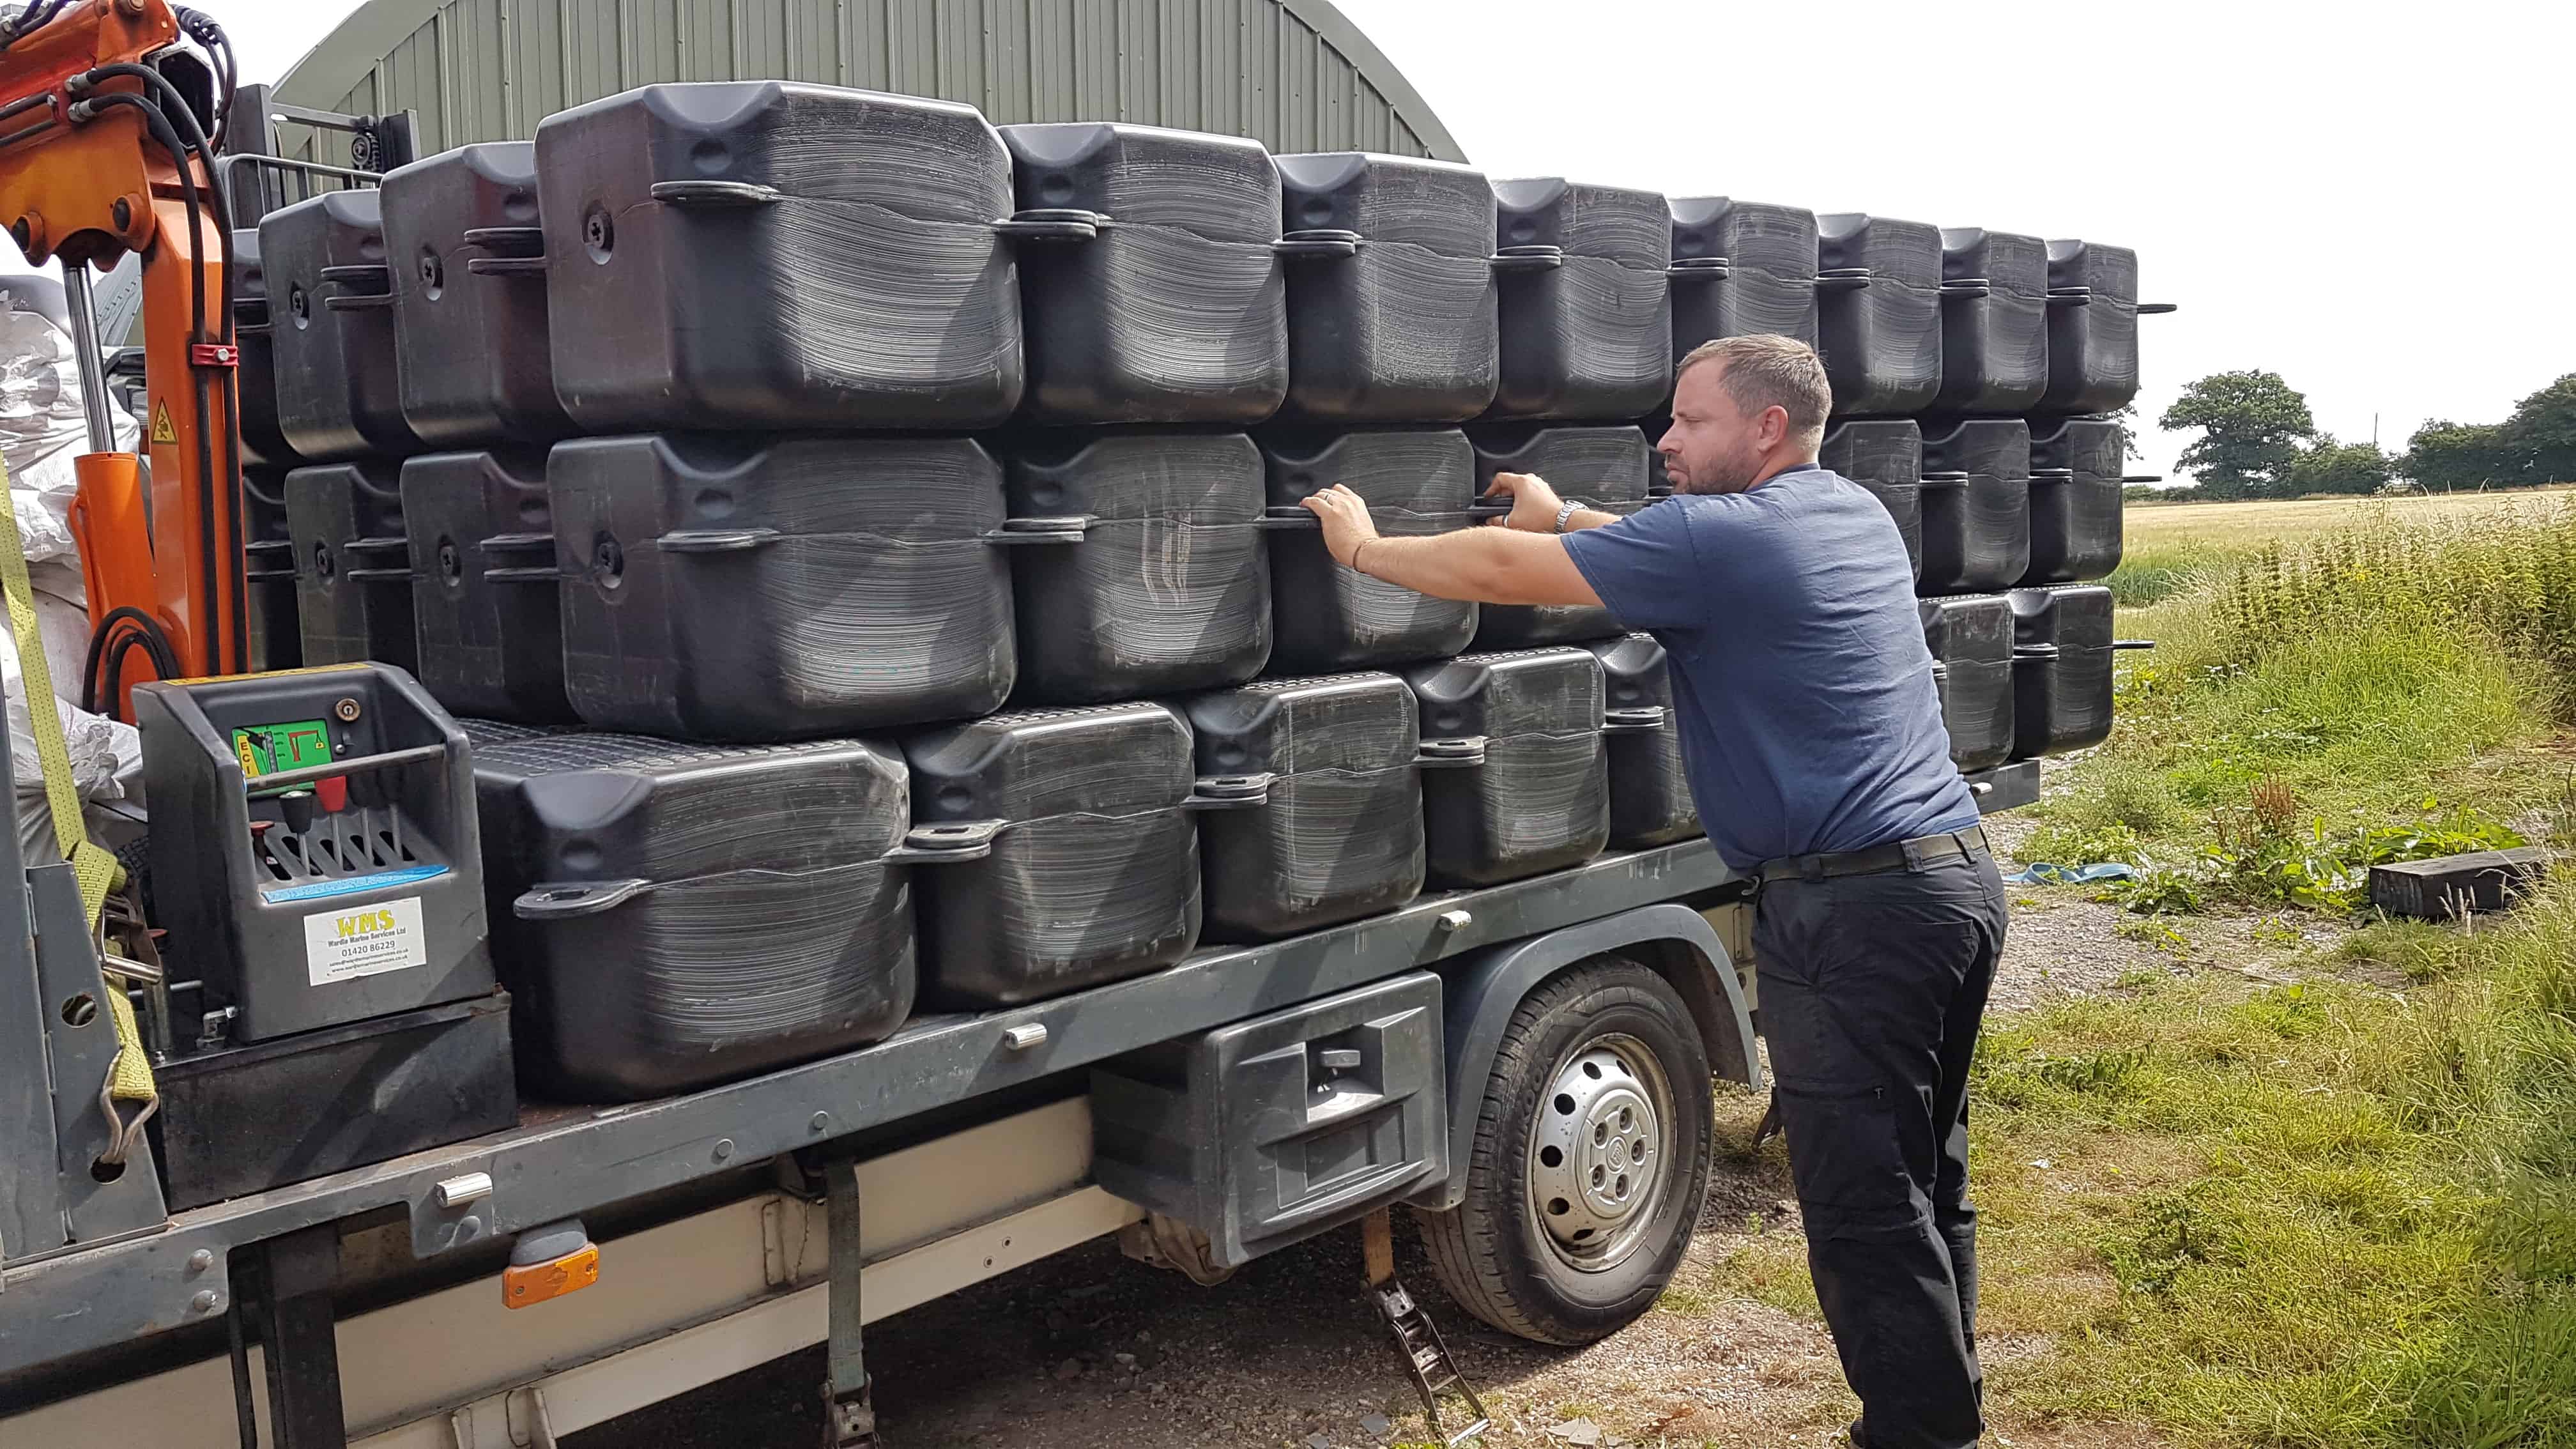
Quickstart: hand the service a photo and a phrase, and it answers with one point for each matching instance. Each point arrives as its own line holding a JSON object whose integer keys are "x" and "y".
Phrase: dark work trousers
{"x": 1871, "y": 987}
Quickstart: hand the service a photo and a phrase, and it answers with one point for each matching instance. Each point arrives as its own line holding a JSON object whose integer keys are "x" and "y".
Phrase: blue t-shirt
{"x": 1808, "y": 718}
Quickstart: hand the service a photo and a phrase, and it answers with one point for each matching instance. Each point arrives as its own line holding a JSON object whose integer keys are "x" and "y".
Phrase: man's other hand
{"x": 1346, "y": 522}
{"x": 1534, "y": 504}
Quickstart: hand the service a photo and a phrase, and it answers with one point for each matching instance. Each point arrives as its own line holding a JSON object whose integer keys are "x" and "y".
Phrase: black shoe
{"x": 1858, "y": 1441}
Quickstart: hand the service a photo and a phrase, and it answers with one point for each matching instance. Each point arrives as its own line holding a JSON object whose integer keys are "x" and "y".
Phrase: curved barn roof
{"x": 1295, "y": 74}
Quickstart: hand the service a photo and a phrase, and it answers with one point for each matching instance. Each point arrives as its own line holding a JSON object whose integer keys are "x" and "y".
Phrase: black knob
{"x": 297, "y": 807}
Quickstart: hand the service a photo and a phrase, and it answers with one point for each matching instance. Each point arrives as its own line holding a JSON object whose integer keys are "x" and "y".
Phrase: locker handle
{"x": 1712, "y": 269}
{"x": 1052, "y": 224}
{"x": 1287, "y": 515}
{"x": 947, "y": 843}
{"x": 2052, "y": 475}
{"x": 1968, "y": 287}
{"x": 1340, "y": 1059}
{"x": 1317, "y": 245}
{"x": 377, "y": 576}
{"x": 716, "y": 193}
{"x": 716, "y": 540}
{"x": 2143, "y": 478}
{"x": 569, "y": 900}
{"x": 377, "y": 544}
{"x": 1529, "y": 259}
{"x": 1229, "y": 792}
{"x": 1842, "y": 279}
{"x": 506, "y": 266}
{"x": 363, "y": 302}
{"x": 1489, "y": 510}
{"x": 1943, "y": 480}
{"x": 2034, "y": 651}
{"x": 2070, "y": 296}
{"x": 368, "y": 274}
{"x": 521, "y": 241}
{"x": 1458, "y": 754}
{"x": 1632, "y": 721}
{"x": 2133, "y": 643}
{"x": 1067, "y": 529}
{"x": 2157, "y": 309}
{"x": 522, "y": 543}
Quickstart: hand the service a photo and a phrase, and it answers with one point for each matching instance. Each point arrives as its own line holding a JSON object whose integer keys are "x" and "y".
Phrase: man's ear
{"x": 1775, "y": 427}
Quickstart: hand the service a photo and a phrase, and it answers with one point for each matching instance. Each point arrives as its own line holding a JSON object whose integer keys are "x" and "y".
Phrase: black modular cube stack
{"x": 323, "y": 435}
{"x": 801, "y": 484}
{"x": 798, "y": 483}
{"x": 1975, "y": 374}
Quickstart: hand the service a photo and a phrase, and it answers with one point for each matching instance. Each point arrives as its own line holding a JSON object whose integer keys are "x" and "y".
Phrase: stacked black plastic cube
{"x": 869, "y": 548}
{"x": 1974, "y": 374}
{"x": 869, "y": 544}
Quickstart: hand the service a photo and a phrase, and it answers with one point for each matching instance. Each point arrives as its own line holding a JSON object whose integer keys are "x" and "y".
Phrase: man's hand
{"x": 1346, "y": 522}
{"x": 1534, "y": 504}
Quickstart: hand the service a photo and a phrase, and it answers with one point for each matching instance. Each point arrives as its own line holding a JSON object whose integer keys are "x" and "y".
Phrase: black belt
{"x": 1912, "y": 854}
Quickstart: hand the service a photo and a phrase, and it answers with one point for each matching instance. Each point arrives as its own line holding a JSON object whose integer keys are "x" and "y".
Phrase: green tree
{"x": 2331, "y": 467}
{"x": 2540, "y": 437}
{"x": 2445, "y": 455}
{"x": 2252, "y": 427}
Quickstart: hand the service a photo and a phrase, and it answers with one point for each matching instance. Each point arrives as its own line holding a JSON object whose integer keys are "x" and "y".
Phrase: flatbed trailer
{"x": 1384, "y": 1058}
{"x": 361, "y": 1307}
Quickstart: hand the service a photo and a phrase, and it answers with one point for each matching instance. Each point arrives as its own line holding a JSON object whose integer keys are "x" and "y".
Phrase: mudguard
{"x": 1482, "y": 991}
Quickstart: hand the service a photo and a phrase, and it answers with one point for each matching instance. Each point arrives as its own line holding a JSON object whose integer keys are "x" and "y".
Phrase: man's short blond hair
{"x": 1770, "y": 371}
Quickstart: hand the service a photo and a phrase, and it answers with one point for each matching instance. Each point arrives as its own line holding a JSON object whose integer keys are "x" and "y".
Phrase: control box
{"x": 314, "y": 859}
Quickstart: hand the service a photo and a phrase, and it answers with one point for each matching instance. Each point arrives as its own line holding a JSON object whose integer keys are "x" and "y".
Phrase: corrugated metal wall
{"x": 483, "y": 70}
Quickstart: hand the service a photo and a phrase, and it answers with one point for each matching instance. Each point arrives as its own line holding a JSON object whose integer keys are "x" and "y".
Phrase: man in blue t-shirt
{"x": 1811, "y": 732}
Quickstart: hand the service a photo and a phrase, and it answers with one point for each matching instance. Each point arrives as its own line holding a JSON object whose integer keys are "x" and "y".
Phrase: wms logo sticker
{"x": 345, "y": 945}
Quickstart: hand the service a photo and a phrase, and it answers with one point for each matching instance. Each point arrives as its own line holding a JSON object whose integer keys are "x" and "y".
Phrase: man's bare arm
{"x": 1486, "y": 565}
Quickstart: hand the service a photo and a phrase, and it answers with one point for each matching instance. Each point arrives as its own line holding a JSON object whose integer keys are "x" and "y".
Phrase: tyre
{"x": 1590, "y": 1161}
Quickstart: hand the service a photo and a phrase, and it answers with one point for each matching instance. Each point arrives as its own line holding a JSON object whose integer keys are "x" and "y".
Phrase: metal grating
{"x": 1293, "y": 74}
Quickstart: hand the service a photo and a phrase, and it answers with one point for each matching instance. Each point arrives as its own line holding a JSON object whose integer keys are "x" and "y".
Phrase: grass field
{"x": 2171, "y": 545}
{"x": 2248, "y": 524}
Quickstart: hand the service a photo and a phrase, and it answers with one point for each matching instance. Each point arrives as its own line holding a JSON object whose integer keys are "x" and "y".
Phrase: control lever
{"x": 296, "y": 806}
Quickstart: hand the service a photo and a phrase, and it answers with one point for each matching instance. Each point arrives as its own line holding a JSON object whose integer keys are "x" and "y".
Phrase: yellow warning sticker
{"x": 162, "y": 432}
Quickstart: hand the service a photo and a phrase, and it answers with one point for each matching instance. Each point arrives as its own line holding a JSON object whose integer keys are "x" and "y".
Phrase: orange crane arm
{"x": 97, "y": 161}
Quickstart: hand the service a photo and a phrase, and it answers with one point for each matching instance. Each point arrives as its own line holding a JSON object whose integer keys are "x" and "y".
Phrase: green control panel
{"x": 266, "y": 749}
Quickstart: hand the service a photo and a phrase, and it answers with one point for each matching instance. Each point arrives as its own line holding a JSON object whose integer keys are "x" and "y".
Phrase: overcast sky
{"x": 2370, "y": 200}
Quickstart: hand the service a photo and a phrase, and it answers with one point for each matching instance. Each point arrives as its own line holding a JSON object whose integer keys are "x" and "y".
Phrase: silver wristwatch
{"x": 1565, "y": 514}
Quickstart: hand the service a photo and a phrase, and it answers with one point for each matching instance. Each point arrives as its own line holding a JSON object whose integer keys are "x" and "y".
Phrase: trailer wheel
{"x": 1591, "y": 1158}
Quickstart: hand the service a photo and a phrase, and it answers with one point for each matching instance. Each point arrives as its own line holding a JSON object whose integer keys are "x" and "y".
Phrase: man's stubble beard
{"x": 1731, "y": 474}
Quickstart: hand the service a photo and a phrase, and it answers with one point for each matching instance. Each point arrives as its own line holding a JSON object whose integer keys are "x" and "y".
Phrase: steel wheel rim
{"x": 1601, "y": 1153}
